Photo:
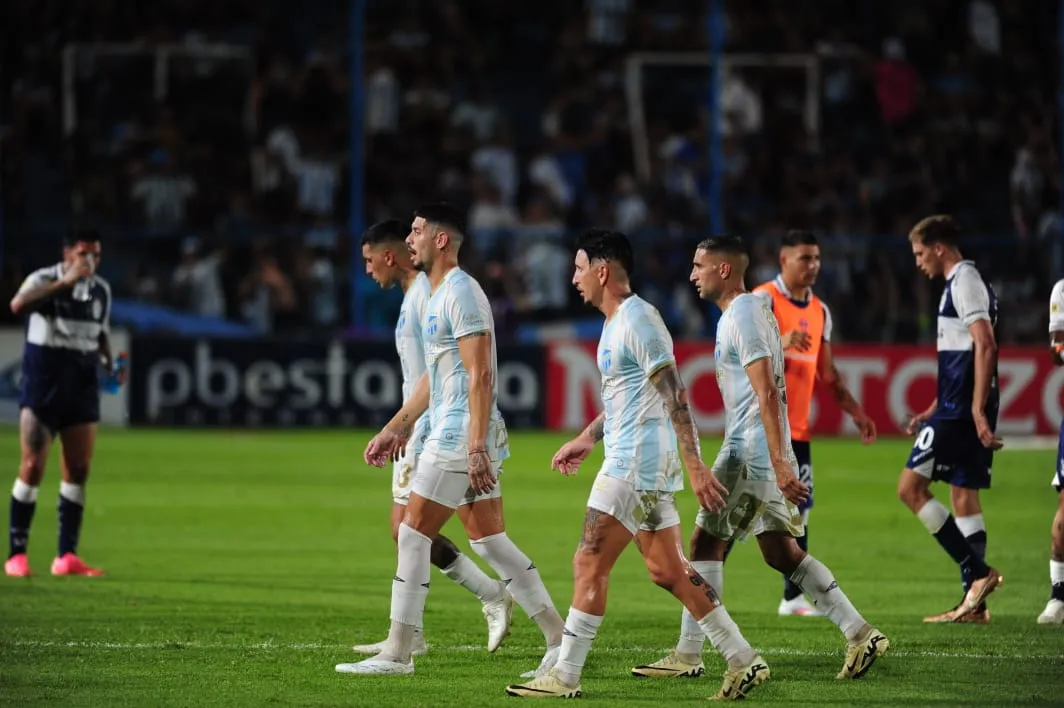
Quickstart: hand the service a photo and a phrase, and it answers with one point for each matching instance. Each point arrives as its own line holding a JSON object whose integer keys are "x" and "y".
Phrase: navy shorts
{"x": 950, "y": 451}
{"x": 805, "y": 469}
{"x": 1058, "y": 475}
{"x": 62, "y": 388}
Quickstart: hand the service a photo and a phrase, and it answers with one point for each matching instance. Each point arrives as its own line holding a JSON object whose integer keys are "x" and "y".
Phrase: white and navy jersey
{"x": 411, "y": 349}
{"x": 638, "y": 435}
{"x": 65, "y": 324}
{"x": 967, "y": 299}
{"x": 1056, "y": 308}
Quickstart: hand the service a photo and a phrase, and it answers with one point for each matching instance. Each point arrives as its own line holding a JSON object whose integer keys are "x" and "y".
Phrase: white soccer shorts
{"x": 635, "y": 509}
{"x": 751, "y": 507}
{"x": 443, "y": 484}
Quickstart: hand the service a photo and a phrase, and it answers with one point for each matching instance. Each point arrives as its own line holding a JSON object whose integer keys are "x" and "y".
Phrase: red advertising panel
{"x": 889, "y": 381}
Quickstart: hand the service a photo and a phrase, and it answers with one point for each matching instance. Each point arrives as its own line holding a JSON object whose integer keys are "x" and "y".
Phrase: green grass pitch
{"x": 241, "y": 567}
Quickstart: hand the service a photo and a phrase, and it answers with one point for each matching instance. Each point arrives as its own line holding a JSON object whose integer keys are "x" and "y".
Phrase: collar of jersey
{"x": 953, "y": 271}
{"x": 782, "y": 287}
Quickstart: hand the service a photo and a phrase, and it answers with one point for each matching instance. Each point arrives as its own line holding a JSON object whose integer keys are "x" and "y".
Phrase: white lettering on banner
{"x": 581, "y": 378}
{"x": 1051, "y": 396}
{"x": 853, "y": 372}
{"x": 898, "y": 387}
{"x": 264, "y": 380}
{"x": 518, "y": 387}
{"x": 690, "y": 371}
{"x": 388, "y": 386}
{"x": 1013, "y": 377}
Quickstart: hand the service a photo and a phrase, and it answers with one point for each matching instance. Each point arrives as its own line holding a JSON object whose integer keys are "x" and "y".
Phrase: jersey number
{"x": 925, "y": 439}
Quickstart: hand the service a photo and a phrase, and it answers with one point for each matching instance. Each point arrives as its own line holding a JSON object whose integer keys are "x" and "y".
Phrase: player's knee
{"x": 31, "y": 468}
{"x": 912, "y": 490}
{"x": 783, "y": 557}
{"x": 77, "y": 472}
{"x": 702, "y": 545}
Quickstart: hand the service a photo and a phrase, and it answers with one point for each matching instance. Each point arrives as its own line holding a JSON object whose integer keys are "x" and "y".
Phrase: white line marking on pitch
{"x": 269, "y": 646}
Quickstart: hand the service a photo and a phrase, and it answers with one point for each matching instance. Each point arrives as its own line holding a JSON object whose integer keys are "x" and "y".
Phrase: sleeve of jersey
{"x": 752, "y": 337}
{"x": 763, "y": 293}
{"x": 829, "y": 324}
{"x": 970, "y": 297}
{"x": 465, "y": 312}
{"x": 650, "y": 344}
{"x": 106, "y": 324}
{"x": 36, "y": 279}
{"x": 1056, "y": 308}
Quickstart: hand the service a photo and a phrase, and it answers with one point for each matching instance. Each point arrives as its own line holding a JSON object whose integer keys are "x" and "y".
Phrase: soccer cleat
{"x": 947, "y": 616}
{"x": 1053, "y": 613}
{"x": 499, "y": 614}
{"x": 418, "y": 648}
{"x": 977, "y": 593}
{"x": 860, "y": 655}
{"x": 546, "y": 686}
{"x": 799, "y": 607}
{"x": 546, "y": 664}
{"x": 70, "y": 564}
{"x": 18, "y": 566}
{"x": 673, "y": 665}
{"x": 377, "y": 667}
{"x": 739, "y": 682}
{"x": 980, "y": 616}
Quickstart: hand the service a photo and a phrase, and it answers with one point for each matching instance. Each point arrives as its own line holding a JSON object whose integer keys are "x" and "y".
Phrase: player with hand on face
{"x": 67, "y": 342}
{"x": 387, "y": 260}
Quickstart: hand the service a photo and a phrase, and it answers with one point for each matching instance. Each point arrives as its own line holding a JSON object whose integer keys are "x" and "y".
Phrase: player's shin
{"x": 523, "y": 581}
{"x": 790, "y": 590}
{"x": 410, "y": 589}
{"x": 816, "y": 580}
{"x": 70, "y": 511}
{"x": 23, "y": 506}
{"x": 692, "y": 638}
{"x": 579, "y": 632}
{"x": 940, "y": 524}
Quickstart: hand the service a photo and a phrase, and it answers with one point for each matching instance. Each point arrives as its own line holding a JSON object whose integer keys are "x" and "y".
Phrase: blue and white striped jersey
{"x": 966, "y": 299}
{"x": 64, "y": 323}
{"x": 411, "y": 349}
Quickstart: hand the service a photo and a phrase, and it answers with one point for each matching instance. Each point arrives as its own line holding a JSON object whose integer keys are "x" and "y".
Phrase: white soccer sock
{"x": 726, "y": 638}
{"x": 691, "y": 636}
{"x": 23, "y": 492}
{"x": 523, "y": 581}
{"x": 816, "y": 581}
{"x": 410, "y": 589}
{"x": 580, "y": 631}
{"x": 72, "y": 492}
{"x": 469, "y": 575}
{"x": 1056, "y": 572}
{"x": 970, "y": 524}
{"x": 933, "y": 515}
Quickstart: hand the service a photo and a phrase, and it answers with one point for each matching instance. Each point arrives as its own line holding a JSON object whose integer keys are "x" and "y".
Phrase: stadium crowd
{"x": 228, "y": 194}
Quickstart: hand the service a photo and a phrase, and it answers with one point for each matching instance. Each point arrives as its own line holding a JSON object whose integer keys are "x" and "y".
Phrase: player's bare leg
{"x": 914, "y": 490}
{"x": 410, "y": 587}
{"x": 77, "y": 444}
{"x": 445, "y": 555}
{"x": 670, "y": 570}
{"x": 968, "y": 513}
{"x": 35, "y": 441}
{"x": 1054, "y": 611}
{"x": 485, "y": 525}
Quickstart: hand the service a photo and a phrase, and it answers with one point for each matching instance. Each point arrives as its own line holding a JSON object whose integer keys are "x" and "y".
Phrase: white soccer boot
{"x": 1053, "y": 613}
{"x": 739, "y": 682}
{"x": 799, "y": 607}
{"x": 499, "y": 615}
{"x": 377, "y": 667}
{"x": 860, "y": 655}
{"x": 675, "y": 665}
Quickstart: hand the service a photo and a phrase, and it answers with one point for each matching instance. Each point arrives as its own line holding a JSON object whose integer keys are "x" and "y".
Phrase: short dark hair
{"x": 940, "y": 228}
{"x": 79, "y": 234}
{"x": 798, "y": 237}
{"x": 732, "y": 245}
{"x": 387, "y": 231}
{"x": 609, "y": 246}
{"x": 444, "y": 215}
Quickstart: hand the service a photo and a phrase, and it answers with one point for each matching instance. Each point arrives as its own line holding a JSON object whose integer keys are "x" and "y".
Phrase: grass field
{"x": 242, "y": 566}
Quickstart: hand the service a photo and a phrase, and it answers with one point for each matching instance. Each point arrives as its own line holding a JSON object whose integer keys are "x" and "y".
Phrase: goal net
{"x": 667, "y": 92}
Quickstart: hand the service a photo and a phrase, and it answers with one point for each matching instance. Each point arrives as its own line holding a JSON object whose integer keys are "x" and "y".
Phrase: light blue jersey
{"x": 639, "y": 438}
{"x": 746, "y": 332}
{"x": 457, "y": 309}
{"x": 411, "y": 350}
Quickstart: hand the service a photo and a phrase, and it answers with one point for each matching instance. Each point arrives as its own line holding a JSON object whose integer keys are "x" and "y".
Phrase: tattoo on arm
{"x": 596, "y": 430}
{"x": 667, "y": 382}
{"x": 591, "y": 539}
{"x": 842, "y": 395}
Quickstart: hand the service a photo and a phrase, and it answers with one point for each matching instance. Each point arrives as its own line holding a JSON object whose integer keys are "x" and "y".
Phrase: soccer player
{"x": 69, "y": 309}
{"x": 757, "y": 467}
{"x": 805, "y": 321}
{"x": 955, "y": 438}
{"x": 459, "y": 466}
{"x": 645, "y": 411}
{"x": 387, "y": 261}
{"x": 1054, "y": 611}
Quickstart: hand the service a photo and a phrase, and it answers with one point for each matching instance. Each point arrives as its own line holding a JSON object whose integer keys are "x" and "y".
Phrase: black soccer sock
{"x": 23, "y": 505}
{"x": 71, "y": 509}
{"x": 1057, "y": 592}
{"x": 977, "y": 541}
{"x": 790, "y": 590}
{"x": 973, "y": 567}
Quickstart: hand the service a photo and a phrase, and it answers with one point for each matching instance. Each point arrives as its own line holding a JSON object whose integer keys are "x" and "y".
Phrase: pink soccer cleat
{"x": 18, "y": 566}
{"x": 70, "y": 564}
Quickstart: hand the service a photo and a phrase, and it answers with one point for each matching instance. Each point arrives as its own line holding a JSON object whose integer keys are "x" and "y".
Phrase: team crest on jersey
{"x": 803, "y": 324}
{"x": 433, "y": 325}
{"x": 402, "y": 319}
{"x": 606, "y": 360}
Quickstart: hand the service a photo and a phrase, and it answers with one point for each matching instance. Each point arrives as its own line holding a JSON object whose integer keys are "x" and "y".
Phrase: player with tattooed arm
{"x": 757, "y": 467}
{"x": 645, "y": 412}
